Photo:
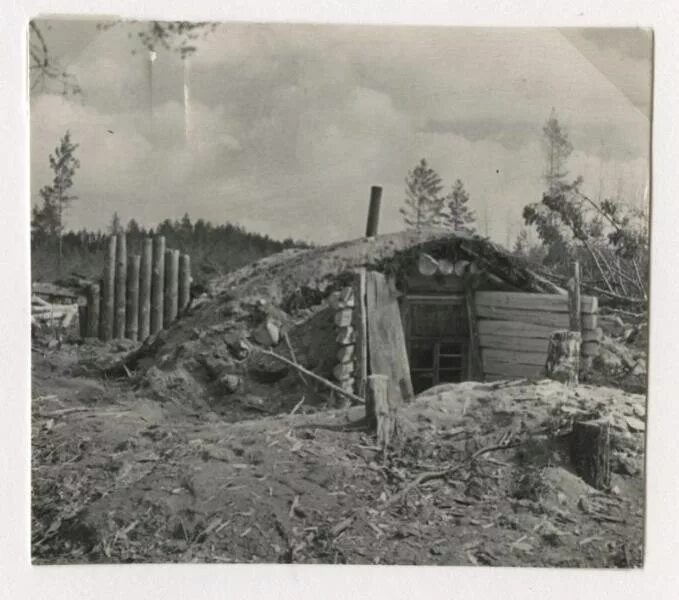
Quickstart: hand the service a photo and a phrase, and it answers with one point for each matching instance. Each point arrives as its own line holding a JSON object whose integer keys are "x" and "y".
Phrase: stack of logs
{"x": 350, "y": 324}
{"x": 139, "y": 294}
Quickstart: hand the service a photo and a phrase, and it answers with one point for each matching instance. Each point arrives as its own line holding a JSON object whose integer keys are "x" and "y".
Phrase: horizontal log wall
{"x": 514, "y": 330}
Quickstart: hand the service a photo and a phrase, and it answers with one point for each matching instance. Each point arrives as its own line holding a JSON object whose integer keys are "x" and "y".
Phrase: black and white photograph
{"x": 338, "y": 294}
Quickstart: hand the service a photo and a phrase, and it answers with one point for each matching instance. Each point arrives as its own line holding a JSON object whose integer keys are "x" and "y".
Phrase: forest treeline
{"x": 214, "y": 249}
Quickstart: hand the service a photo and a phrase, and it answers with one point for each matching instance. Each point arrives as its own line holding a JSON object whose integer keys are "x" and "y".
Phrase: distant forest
{"x": 214, "y": 249}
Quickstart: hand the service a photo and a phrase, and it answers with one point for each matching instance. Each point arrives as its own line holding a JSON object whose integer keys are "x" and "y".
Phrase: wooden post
{"x": 361, "y": 329}
{"x": 144, "y": 321}
{"x": 590, "y": 452}
{"x": 107, "y": 291}
{"x": 574, "y": 302}
{"x": 475, "y": 365}
{"x": 379, "y": 408}
{"x": 120, "y": 281}
{"x": 374, "y": 211}
{"x": 563, "y": 357}
{"x": 170, "y": 301}
{"x": 92, "y": 310}
{"x": 82, "y": 320}
{"x": 157, "y": 283}
{"x": 184, "y": 282}
{"x": 132, "y": 298}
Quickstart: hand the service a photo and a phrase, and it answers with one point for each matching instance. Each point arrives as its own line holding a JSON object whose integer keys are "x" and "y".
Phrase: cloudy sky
{"x": 284, "y": 128}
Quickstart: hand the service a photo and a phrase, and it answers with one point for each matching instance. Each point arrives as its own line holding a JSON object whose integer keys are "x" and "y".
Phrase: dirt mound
{"x": 138, "y": 480}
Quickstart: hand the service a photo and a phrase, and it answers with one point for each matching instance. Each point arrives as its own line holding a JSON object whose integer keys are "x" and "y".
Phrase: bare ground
{"x": 122, "y": 476}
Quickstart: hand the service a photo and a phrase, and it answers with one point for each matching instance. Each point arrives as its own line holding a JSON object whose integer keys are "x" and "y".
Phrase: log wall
{"x": 134, "y": 288}
{"x": 515, "y": 327}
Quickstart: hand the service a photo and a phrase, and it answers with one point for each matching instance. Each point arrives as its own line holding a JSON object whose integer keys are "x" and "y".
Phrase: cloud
{"x": 287, "y": 127}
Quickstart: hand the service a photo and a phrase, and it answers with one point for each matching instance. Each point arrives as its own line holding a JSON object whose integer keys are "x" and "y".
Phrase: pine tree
{"x": 459, "y": 216}
{"x": 48, "y": 221}
{"x": 424, "y": 205}
{"x": 115, "y": 226}
{"x": 557, "y": 149}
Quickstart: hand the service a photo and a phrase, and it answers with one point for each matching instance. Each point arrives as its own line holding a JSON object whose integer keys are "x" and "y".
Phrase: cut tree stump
{"x": 563, "y": 357}
{"x": 380, "y": 408}
{"x": 590, "y": 452}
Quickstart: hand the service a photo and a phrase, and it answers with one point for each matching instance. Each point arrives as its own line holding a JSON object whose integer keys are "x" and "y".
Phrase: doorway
{"x": 437, "y": 338}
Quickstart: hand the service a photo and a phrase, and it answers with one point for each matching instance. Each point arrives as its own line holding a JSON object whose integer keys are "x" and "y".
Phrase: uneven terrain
{"x": 195, "y": 446}
{"x": 119, "y": 476}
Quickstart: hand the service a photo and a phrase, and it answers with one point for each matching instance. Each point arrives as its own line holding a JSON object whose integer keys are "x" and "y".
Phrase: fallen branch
{"x": 429, "y": 475}
{"x": 312, "y": 375}
{"x": 62, "y": 412}
{"x": 294, "y": 358}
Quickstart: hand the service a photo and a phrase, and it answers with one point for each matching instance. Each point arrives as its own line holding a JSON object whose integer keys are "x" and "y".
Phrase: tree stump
{"x": 380, "y": 408}
{"x": 563, "y": 357}
{"x": 590, "y": 452}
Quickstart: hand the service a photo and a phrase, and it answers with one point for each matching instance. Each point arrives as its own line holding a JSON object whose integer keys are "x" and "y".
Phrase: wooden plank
{"x": 386, "y": 340}
{"x": 157, "y": 283}
{"x": 590, "y": 348}
{"x": 171, "y": 293}
{"x": 528, "y": 301}
{"x": 510, "y": 370}
{"x": 500, "y": 342}
{"x": 513, "y": 329}
{"x": 592, "y": 335}
{"x": 475, "y": 363}
{"x": 93, "y": 302}
{"x": 574, "y": 299}
{"x": 361, "y": 330}
{"x": 509, "y": 356}
{"x": 120, "y": 285}
{"x": 556, "y": 320}
{"x": 132, "y": 297}
{"x": 590, "y": 322}
{"x": 145, "y": 289}
{"x": 184, "y": 282}
{"x": 107, "y": 291}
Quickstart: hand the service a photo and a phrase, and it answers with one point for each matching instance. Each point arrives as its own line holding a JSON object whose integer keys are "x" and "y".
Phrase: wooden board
{"x": 491, "y": 355}
{"x": 592, "y": 335}
{"x": 556, "y": 320}
{"x": 512, "y": 371}
{"x": 536, "y": 302}
{"x": 387, "y": 350}
{"x": 361, "y": 328}
{"x": 590, "y": 349}
{"x": 500, "y": 342}
{"x": 517, "y": 329}
{"x": 513, "y": 329}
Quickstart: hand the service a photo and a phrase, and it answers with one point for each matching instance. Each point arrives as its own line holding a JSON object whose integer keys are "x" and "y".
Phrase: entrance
{"x": 437, "y": 338}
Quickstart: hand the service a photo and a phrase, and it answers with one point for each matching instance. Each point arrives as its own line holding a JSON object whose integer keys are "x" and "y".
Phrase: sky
{"x": 284, "y": 128}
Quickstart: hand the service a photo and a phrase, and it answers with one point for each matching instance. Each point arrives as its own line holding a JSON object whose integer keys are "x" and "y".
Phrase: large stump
{"x": 563, "y": 357}
{"x": 590, "y": 452}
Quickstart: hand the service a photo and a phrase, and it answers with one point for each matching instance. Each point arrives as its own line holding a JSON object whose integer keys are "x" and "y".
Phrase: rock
{"x": 229, "y": 383}
{"x": 214, "y": 366}
{"x": 639, "y": 368}
{"x": 551, "y": 534}
{"x": 635, "y": 424}
{"x": 268, "y": 333}
{"x": 625, "y": 465}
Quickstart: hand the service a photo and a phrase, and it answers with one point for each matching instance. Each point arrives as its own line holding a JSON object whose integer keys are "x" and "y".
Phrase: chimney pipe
{"x": 374, "y": 211}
